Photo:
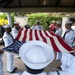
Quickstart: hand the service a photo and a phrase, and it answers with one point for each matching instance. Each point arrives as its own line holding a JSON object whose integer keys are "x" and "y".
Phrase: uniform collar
{"x": 27, "y": 73}
{"x": 33, "y": 71}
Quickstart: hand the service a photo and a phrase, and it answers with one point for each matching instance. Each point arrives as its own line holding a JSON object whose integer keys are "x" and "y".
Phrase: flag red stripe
{"x": 19, "y": 34}
{"x": 30, "y": 35}
{"x": 44, "y": 39}
{"x": 36, "y": 36}
{"x": 61, "y": 41}
{"x": 52, "y": 42}
{"x": 25, "y": 35}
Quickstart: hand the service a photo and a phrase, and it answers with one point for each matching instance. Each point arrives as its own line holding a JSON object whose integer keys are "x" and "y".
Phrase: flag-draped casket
{"x": 48, "y": 37}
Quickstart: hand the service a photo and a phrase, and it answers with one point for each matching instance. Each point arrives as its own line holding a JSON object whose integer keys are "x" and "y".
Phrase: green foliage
{"x": 45, "y": 19}
{"x": 4, "y": 16}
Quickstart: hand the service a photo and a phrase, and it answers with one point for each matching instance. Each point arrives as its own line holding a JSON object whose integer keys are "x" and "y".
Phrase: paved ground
{"x": 19, "y": 64}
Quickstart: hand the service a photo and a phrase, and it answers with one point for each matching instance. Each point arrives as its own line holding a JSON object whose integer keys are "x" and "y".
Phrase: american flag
{"x": 48, "y": 37}
{"x": 14, "y": 47}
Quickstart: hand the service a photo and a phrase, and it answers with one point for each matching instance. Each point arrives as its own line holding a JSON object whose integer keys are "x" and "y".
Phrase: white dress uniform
{"x": 14, "y": 32}
{"x": 8, "y": 40}
{"x": 69, "y": 37}
{"x": 58, "y": 32}
{"x": 36, "y": 27}
{"x": 69, "y": 60}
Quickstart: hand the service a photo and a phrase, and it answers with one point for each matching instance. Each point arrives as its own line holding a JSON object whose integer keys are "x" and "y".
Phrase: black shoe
{"x": 18, "y": 57}
{"x": 59, "y": 68}
{"x": 14, "y": 70}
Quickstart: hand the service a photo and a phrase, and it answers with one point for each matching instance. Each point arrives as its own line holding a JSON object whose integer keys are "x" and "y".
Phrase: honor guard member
{"x": 58, "y": 30}
{"x": 69, "y": 35}
{"x": 69, "y": 38}
{"x": 37, "y": 26}
{"x": 69, "y": 61}
{"x": 1, "y": 63}
{"x": 36, "y": 55}
{"x": 8, "y": 40}
{"x": 15, "y": 29}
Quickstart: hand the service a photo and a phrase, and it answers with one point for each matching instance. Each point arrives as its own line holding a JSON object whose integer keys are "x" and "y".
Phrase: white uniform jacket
{"x": 14, "y": 32}
{"x": 58, "y": 32}
{"x": 7, "y": 39}
{"x": 69, "y": 60}
{"x": 36, "y": 27}
{"x": 69, "y": 37}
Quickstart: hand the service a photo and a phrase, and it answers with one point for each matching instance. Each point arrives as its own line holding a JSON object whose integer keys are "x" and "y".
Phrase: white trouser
{"x": 1, "y": 66}
{"x": 10, "y": 59}
{"x": 64, "y": 67}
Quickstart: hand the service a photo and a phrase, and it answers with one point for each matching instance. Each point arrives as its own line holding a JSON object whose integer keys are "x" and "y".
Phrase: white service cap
{"x": 15, "y": 23}
{"x": 68, "y": 23}
{"x": 7, "y": 26}
{"x": 36, "y": 54}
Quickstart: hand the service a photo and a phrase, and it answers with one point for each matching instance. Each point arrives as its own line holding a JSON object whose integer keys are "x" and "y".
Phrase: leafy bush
{"x": 45, "y": 19}
{"x": 3, "y": 21}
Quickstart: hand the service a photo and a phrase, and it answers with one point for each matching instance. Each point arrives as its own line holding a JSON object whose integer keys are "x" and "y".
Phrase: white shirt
{"x": 69, "y": 60}
{"x": 59, "y": 32}
{"x": 69, "y": 37}
{"x": 8, "y": 40}
{"x": 14, "y": 32}
{"x": 36, "y": 27}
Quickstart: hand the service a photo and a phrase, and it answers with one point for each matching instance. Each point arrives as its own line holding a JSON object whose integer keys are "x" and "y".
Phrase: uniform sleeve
{"x": 52, "y": 73}
{"x": 6, "y": 41}
{"x": 66, "y": 58}
{"x": 42, "y": 28}
{"x": 69, "y": 60}
{"x": 14, "y": 34}
{"x": 58, "y": 32}
{"x": 69, "y": 38}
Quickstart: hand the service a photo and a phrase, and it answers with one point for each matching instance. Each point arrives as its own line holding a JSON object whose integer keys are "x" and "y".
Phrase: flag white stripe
{"x": 22, "y": 34}
{"x": 60, "y": 47}
{"x": 33, "y": 34}
{"x": 38, "y": 34}
{"x": 28, "y": 34}
{"x": 47, "y": 39}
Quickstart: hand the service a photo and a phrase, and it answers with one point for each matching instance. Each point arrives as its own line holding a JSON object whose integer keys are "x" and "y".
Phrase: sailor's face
{"x": 8, "y": 29}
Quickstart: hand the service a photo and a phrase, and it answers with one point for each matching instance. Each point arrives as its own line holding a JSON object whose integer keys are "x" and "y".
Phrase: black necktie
{"x": 65, "y": 33}
{"x": 11, "y": 36}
